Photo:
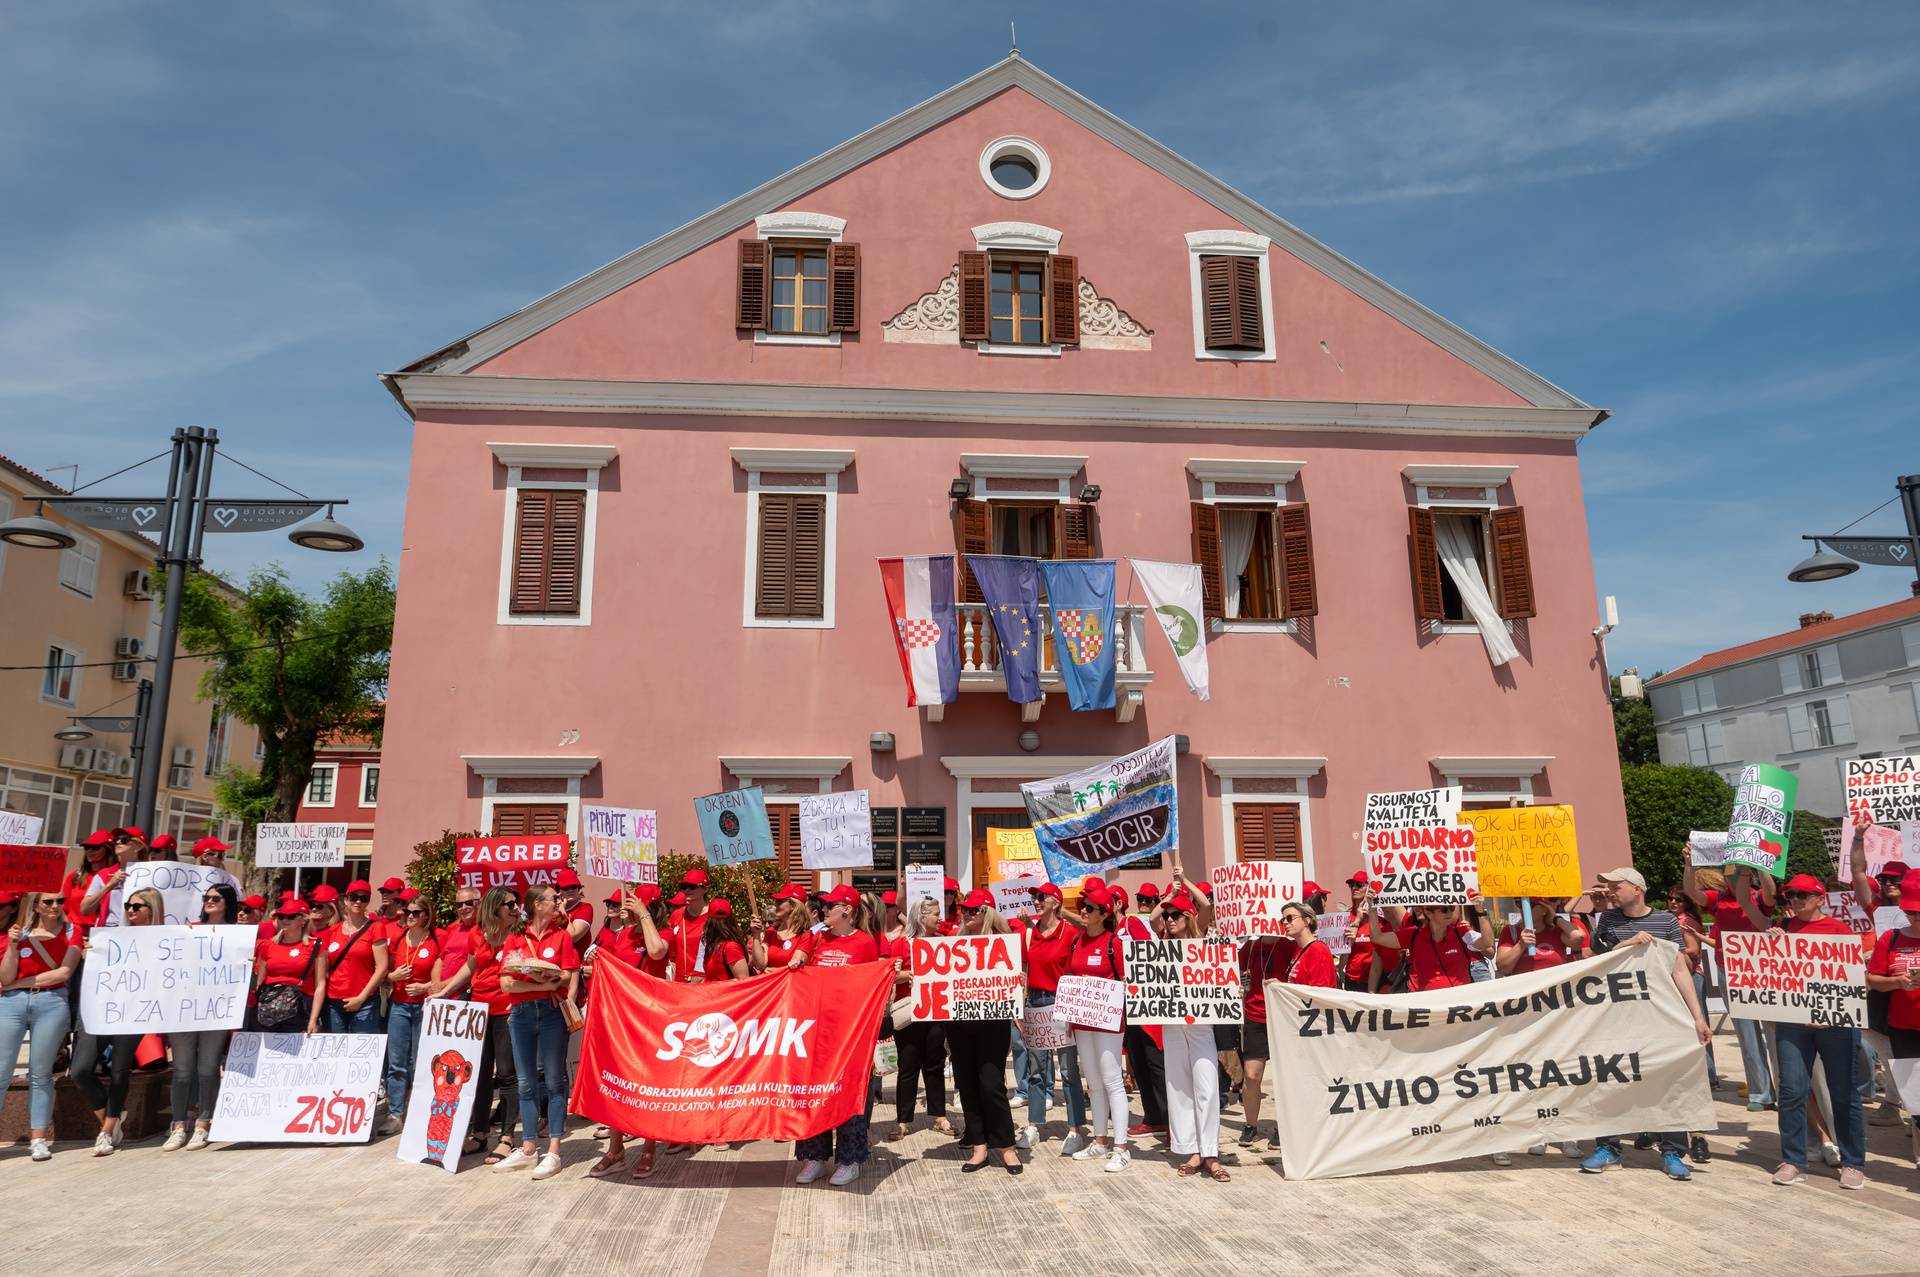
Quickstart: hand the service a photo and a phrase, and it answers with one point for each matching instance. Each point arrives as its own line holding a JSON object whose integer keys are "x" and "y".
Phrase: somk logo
{"x": 714, "y": 1037}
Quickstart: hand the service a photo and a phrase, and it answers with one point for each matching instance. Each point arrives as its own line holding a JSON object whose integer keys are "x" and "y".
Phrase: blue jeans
{"x": 1754, "y": 1040}
{"x": 403, "y": 1043}
{"x": 1019, "y": 1066}
{"x": 539, "y": 1035}
{"x": 1838, "y": 1051}
{"x": 335, "y": 1018}
{"x": 1040, "y": 1075}
{"x": 44, "y": 1014}
{"x": 1700, "y": 993}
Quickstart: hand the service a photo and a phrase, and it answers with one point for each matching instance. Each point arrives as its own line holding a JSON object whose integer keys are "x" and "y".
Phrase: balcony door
{"x": 985, "y": 818}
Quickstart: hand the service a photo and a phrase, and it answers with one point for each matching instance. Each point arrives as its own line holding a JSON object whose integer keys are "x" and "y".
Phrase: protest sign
{"x": 182, "y": 888}
{"x": 1795, "y": 978}
{"x": 1706, "y": 848}
{"x": 733, "y": 825}
{"x": 1013, "y": 898}
{"x": 621, "y": 843}
{"x": 26, "y": 868}
{"x": 1882, "y": 791}
{"x": 300, "y": 1088}
{"x": 299, "y": 845}
{"x": 1888, "y": 918}
{"x": 445, "y": 1068}
{"x": 1183, "y": 982}
{"x": 19, "y": 828}
{"x": 1013, "y": 844}
{"x": 1102, "y": 817}
{"x": 1415, "y": 846}
{"x": 1526, "y": 851}
{"x": 166, "y": 979}
{"x": 1009, "y": 869}
{"x": 1830, "y": 839}
{"x": 836, "y": 831}
{"x": 1092, "y": 1000}
{"x": 1762, "y": 818}
{"x": 778, "y": 1058}
{"x": 1842, "y": 905}
{"x": 925, "y": 882}
{"x": 1880, "y": 843}
{"x": 1041, "y": 1032}
{"x": 1248, "y": 897}
{"x": 1370, "y": 1082}
{"x": 1332, "y": 929}
{"x": 967, "y": 977}
{"x": 518, "y": 863}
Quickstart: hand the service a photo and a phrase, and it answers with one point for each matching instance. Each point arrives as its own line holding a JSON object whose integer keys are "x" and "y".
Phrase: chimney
{"x": 1810, "y": 619}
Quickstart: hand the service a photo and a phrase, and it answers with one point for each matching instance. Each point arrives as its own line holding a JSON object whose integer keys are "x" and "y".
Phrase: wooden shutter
{"x": 529, "y": 820}
{"x": 784, "y": 818}
{"x": 1230, "y": 303}
{"x": 973, "y": 296}
{"x": 790, "y": 576}
{"x": 1063, "y": 302}
{"x": 1293, "y": 532}
{"x": 563, "y": 560}
{"x": 1249, "y": 332}
{"x": 549, "y": 533}
{"x": 1266, "y": 831}
{"x": 972, "y": 521}
{"x": 1512, "y": 564}
{"x": 1424, "y": 553}
{"x": 843, "y": 288}
{"x": 755, "y": 281}
{"x": 1206, "y": 552}
{"x": 1073, "y": 531}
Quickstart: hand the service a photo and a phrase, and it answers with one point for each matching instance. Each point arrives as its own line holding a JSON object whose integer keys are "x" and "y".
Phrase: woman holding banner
{"x": 143, "y": 908}
{"x": 1440, "y": 946}
{"x": 496, "y": 1092}
{"x": 639, "y": 941}
{"x": 1836, "y": 1049}
{"x": 980, "y": 1050}
{"x": 1097, "y": 953}
{"x": 356, "y": 951}
{"x": 849, "y": 938}
{"x": 38, "y": 954}
{"x": 197, "y": 1057}
{"x": 922, "y": 1043}
{"x": 722, "y": 955}
{"x": 789, "y": 941}
{"x": 287, "y": 959}
{"x": 1192, "y": 1067}
{"x": 539, "y": 967}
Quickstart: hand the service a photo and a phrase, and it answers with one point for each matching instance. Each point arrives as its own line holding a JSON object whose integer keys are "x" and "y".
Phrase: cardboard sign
{"x": 1014, "y": 897}
{"x": 1092, "y": 1000}
{"x": 1795, "y": 979}
{"x": 1013, "y": 844}
{"x": 299, "y": 845}
{"x": 1248, "y": 897}
{"x": 1415, "y": 845}
{"x": 1183, "y": 982}
{"x": 300, "y": 1088}
{"x": 517, "y": 863}
{"x": 925, "y": 882}
{"x": 1041, "y": 1032}
{"x": 1526, "y": 851}
{"x": 182, "y": 887}
{"x": 621, "y": 843}
{"x": 1332, "y": 930}
{"x": 19, "y": 828}
{"x": 836, "y": 831}
{"x": 967, "y": 977}
{"x": 25, "y": 868}
{"x": 166, "y": 979}
{"x": 1842, "y": 905}
{"x": 733, "y": 826}
{"x": 445, "y": 1075}
{"x": 1762, "y": 818}
{"x": 1881, "y": 843}
{"x": 1706, "y": 848}
{"x": 1882, "y": 791}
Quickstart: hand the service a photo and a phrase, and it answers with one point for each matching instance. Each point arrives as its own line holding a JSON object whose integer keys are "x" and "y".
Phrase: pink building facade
{"x": 644, "y": 513}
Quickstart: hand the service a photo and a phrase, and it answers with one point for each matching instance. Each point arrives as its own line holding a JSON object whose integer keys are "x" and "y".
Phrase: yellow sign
{"x": 1526, "y": 851}
{"x": 1012, "y": 844}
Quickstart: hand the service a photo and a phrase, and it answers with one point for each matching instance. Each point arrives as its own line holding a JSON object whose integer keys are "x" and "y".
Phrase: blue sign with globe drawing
{"x": 733, "y": 825}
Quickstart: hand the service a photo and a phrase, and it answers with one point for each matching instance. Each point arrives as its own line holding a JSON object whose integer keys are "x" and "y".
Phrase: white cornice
{"x": 1016, "y": 235}
{"x": 1493, "y": 765}
{"x": 1290, "y": 768}
{"x": 794, "y": 460}
{"x": 482, "y": 393}
{"x": 751, "y": 769}
{"x": 1019, "y": 465}
{"x": 805, "y": 225}
{"x": 1015, "y": 766}
{"x": 1226, "y": 242}
{"x": 562, "y": 456}
{"x": 1242, "y": 470}
{"x": 1453, "y": 476}
{"x": 497, "y": 766}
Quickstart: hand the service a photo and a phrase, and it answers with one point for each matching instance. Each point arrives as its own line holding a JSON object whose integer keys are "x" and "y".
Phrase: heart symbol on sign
{"x": 1133, "y": 988}
{"x": 1189, "y": 1019}
{"x": 144, "y": 514}
{"x": 1897, "y": 551}
{"x": 225, "y": 515}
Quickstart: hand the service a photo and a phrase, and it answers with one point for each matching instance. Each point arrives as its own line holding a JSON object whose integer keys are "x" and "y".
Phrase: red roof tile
{"x": 1824, "y": 632}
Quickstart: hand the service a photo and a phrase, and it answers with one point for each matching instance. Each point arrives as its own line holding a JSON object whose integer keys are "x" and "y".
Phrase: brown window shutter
{"x": 1219, "y": 320}
{"x": 1063, "y": 301}
{"x": 755, "y": 280}
{"x": 1293, "y": 527}
{"x": 1266, "y": 831}
{"x": 564, "y": 553}
{"x": 785, "y": 820}
{"x": 973, "y": 296}
{"x": 807, "y": 570}
{"x": 1073, "y": 531}
{"x": 1424, "y": 552}
{"x": 1206, "y": 552}
{"x": 1512, "y": 563}
{"x": 843, "y": 288}
{"x": 1249, "y": 332}
{"x": 772, "y": 587}
{"x": 532, "y": 534}
{"x": 970, "y": 535}
{"x": 529, "y": 820}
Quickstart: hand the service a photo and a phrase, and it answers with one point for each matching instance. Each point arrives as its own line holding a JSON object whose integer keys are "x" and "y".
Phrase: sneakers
{"x": 176, "y": 1138}
{"x": 1028, "y": 1137}
{"x": 1538, "y": 1150}
{"x": 844, "y": 1174}
{"x": 119, "y": 1134}
{"x": 1852, "y": 1177}
{"x": 547, "y": 1167}
{"x": 1142, "y": 1128}
{"x": 1075, "y": 1143}
{"x": 1602, "y": 1159}
{"x": 391, "y": 1125}
{"x": 1571, "y": 1149}
{"x": 103, "y": 1145}
{"x": 1090, "y": 1151}
{"x": 1787, "y": 1174}
{"x": 1697, "y": 1149}
{"x": 810, "y": 1171}
{"x": 1249, "y": 1136}
{"x": 1830, "y": 1153}
{"x": 42, "y": 1151}
{"x": 1120, "y": 1160}
{"x": 1503, "y": 1159}
{"x": 518, "y": 1160}
{"x": 200, "y": 1138}
{"x": 1755, "y": 1106}
{"x": 1675, "y": 1166}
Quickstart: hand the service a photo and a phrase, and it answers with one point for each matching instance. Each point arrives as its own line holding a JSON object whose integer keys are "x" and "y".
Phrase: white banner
{"x": 1013, "y": 898}
{"x": 1092, "y": 1000}
{"x": 1041, "y": 1032}
{"x": 20, "y": 829}
{"x": 1415, "y": 845}
{"x": 836, "y": 831}
{"x": 1707, "y": 848}
{"x": 166, "y": 979}
{"x": 1371, "y": 1082}
{"x": 182, "y": 887}
{"x": 1332, "y": 929}
{"x": 445, "y": 1075}
{"x": 1885, "y": 791}
{"x": 1248, "y": 897}
{"x": 300, "y": 1088}
{"x": 299, "y": 845}
{"x": 1795, "y": 978}
{"x": 621, "y": 843}
{"x": 1183, "y": 982}
{"x": 967, "y": 977}
{"x": 1174, "y": 591}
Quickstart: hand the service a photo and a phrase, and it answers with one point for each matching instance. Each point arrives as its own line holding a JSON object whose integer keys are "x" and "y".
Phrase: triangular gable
{"x": 484, "y": 344}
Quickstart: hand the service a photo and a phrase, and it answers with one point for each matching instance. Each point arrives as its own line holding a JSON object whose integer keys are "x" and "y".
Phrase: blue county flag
{"x": 1011, "y": 588}
{"x": 1173, "y": 591}
{"x": 1081, "y": 595}
{"x": 920, "y": 601}
{"x": 733, "y": 825}
{"x": 1089, "y": 822}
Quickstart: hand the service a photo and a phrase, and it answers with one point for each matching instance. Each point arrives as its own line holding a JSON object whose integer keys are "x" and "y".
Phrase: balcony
{"x": 980, "y": 661}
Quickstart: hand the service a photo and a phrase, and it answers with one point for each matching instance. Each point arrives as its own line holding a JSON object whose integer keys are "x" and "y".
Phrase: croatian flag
{"x": 925, "y": 632}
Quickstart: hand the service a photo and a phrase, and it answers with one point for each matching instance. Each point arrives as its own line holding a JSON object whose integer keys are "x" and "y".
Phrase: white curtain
{"x": 1236, "y": 546}
{"x": 1455, "y": 538}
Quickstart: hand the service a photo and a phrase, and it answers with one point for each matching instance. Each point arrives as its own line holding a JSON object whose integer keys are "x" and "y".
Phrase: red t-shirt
{"x": 456, "y": 942}
{"x": 1437, "y": 964}
{"x": 74, "y": 891}
{"x": 1100, "y": 957}
{"x": 552, "y": 945}
{"x": 1727, "y": 913}
{"x": 1311, "y": 966}
{"x": 1261, "y": 959}
{"x": 485, "y": 984}
{"x": 845, "y": 951}
{"x": 421, "y": 956}
{"x": 949, "y": 926}
{"x": 30, "y": 963}
{"x": 1048, "y": 955}
{"x": 347, "y": 976}
{"x": 1825, "y": 925}
{"x": 1896, "y": 954}
{"x": 683, "y": 943}
{"x": 287, "y": 964}
{"x": 1360, "y": 956}
{"x": 720, "y": 960}
{"x": 582, "y": 912}
{"x": 780, "y": 952}
{"x": 1549, "y": 946}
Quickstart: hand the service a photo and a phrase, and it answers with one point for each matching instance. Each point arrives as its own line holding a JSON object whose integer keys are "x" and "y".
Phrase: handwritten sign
{"x": 517, "y": 863}
{"x": 1013, "y": 898}
{"x": 1183, "y": 982}
{"x": 445, "y": 1075}
{"x": 19, "y": 828}
{"x": 1332, "y": 929}
{"x": 1881, "y": 843}
{"x": 924, "y": 882}
{"x": 166, "y": 979}
{"x": 836, "y": 831}
{"x": 182, "y": 888}
{"x": 1415, "y": 845}
{"x": 1092, "y": 1000}
{"x": 300, "y": 1088}
{"x": 1882, "y": 791}
{"x": 733, "y": 825}
{"x": 967, "y": 977}
{"x": 31, "y": 868}
{"x": 1041, "y": 1032}
{"x": 1762, "y": 818}
{"x": 621, "y": 843}
{"x": 1795, "y": 979}
{"x": 1248, "y": 897}
{"x": 299, "y": 845}
{"x": 1706, "y": 848}
{"x": 1526, "y": 851}
{"x": 1013, "y": 844}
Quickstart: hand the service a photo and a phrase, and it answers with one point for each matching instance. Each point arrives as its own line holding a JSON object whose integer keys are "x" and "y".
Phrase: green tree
{"x": 1807, "y": 846}
{"x": 1664, "y": 806}
{"x": 728, "y": 882}
{"x": 1633, "y": 729}
{"x": 431, "y": 872}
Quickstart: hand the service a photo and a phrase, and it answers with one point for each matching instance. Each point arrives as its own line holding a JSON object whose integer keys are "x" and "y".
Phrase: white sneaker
{"x": 1830, "y": 1153}
{"x": 845, "y": 1174}
{"x": 1538, "y": 1150}
{"x": 1120, "y": 1160}
{"x": 1072, "y": 1145}
{"x": 1571, "y": 1149}
{"x": 809, "y": 1172}
{"x": 199, "y": 1139}
{"x": 518, "y": 1160}
{"x": 1090, "y": 1151}
{"x": 42, "y": 1151}
{"x": 547, "y": 1167}
{"x": 119, "y": 1133}
{"x": 1503, "y": 1159}
{"x": 176, "y": 1139}
{"x": 103, "y": 1145}
{"x": 1028, "y": 1137}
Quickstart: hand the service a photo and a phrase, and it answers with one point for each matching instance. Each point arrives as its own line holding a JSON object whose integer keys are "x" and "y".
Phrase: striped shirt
{"x": 1612, "y": 928}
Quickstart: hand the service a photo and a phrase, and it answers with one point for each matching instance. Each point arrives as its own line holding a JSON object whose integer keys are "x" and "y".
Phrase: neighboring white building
{"x": 1807, "y": 700}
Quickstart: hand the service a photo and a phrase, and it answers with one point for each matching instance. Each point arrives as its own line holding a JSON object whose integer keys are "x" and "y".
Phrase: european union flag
{"x": 1011, "y": 588}
{"x": 1081, "y": 595}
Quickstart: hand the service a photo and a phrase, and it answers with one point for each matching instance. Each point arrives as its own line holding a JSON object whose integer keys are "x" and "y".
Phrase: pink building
{"x": 644, "y": 511}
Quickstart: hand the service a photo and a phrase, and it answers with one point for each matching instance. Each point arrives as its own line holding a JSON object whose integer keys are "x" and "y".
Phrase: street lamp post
{"x": 182, "y": 518}
{"x": 1836, "y": 556}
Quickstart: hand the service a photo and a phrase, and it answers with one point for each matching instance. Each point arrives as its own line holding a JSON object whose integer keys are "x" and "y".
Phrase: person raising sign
{"x": 1440, "y": 946}
{"x": 539, "y": 967}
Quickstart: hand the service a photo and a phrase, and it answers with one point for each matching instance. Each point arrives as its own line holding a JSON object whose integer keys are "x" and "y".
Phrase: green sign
{"x": 1762, "y": 819}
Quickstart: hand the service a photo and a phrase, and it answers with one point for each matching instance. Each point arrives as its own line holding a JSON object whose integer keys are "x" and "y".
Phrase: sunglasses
{"x": 416, "y": 913}
{"x": 360, "y": 897}
{"x": 141, "y": 905}
{"x": 213, "y": 895}
{"x": 467, "y": 904}
{"x": 318, "y": 908}
{"x": 1172, "y": 915}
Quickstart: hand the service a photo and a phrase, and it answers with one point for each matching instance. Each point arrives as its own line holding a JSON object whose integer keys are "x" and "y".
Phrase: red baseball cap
{"x": 1179, "y": 900}
{"x": 790, "y": 891}
{"x": 614, "y": 899}
{"x": 949, "y": 884}
{"x": 394, "y": 884}
{"x": 255, "y": 902}
{"x": 886, "y": 897}
{"x": 324, "y": 895}
{"x": 1805, "y": 882}
{"x": 1204, "y": 887}
{"x": 566, "y": 878}
{"x": 407, "y": 895}
{"x": 1358, "y": 880}
{"x": 1893, "y": 869}
{"x": 721, "y": 908}
{"x": 131, "y": 831}
{"x": 359, "y": 884}
{"x": 1047, "y": 889}
{"x": 1910, "y": 890}
{"x": 1096, "y": 894}
{"x": 99, "y": 838}
{"x": 9, "y": 897}
{"x": 209, "y": 843}
{"x": 679, "y": 898}
{"x": 1147, "y": 891}
{"x": 649, "y": 893}
{"x": 289, "y": 907}
{"x": 1119, "y": 895}
{"x": 977, "y": 899}
{"x": 694, "y": 878}
{"x": 842, "y": 895}
{"x": 165, "y": 842}
{"x": 1312, "y": 888}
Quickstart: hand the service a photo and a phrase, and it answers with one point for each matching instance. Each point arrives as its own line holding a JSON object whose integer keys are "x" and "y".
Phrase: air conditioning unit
{"x": 138, "y": 585}
{"x": 77, "y": 758}
{"x": 104, "y": 761}
{"x": 183, "y": 756}
{"x": 123, "y": 766}
{"x": 180, "y": 777}
{"x": 126, "y": 671}
{"x": 126, "y": 647}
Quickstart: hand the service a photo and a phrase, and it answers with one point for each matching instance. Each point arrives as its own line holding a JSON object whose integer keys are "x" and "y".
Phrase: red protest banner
{"x": 778, "y": 1058}
{"x": 31, "y": 868}
{"x": 509, "y": 862}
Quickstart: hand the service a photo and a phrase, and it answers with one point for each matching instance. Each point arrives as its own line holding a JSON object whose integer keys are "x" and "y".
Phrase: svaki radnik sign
{"x": 518, "y": 863}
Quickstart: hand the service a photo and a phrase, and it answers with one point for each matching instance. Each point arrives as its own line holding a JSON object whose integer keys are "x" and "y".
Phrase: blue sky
{"x": 1700, "y": 217}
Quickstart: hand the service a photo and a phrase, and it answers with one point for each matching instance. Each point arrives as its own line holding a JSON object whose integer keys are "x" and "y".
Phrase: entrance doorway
{"x": 985, "y": 818}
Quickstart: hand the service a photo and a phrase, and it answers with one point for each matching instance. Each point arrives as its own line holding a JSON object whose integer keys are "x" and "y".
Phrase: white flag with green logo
{"x": 1173, "y": 590}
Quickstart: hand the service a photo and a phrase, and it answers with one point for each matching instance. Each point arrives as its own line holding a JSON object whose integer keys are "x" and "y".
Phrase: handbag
{"x": 902, "y": 1012}
{"x": 886, "y": 1059}
{"x": 283, "y": 1004}
{"x": 570, "y": 1012}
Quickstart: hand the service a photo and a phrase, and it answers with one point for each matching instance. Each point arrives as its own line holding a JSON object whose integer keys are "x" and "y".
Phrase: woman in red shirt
{"x": 1097, "y": 954}
{"x": 355, "y": 951}
{"x": 416, "y": 951}
{"x": 1192, "y": 1067}
{"x": 789, "y": 941}
{"x": 288, "y": 958}
{"x": 1307, "y": 961}
{"x": 1837, "y": 1048}
{"x": 922, "y": 1043}
{"x": 1556, "y": 937}
{"x": 1049, "y": 948}
{"x": 1439, "y": 948}
{"x": 1894, "y": 969}
{"x": 634, "y": 935}
{"x": 539, "y": 967}
{"x": 851, "y": 937}
{"x": 38, "y": 954}
{"x": 496, "y": 1093}
{"x": 722, "y": 955}
{"x": 96, "y": 855}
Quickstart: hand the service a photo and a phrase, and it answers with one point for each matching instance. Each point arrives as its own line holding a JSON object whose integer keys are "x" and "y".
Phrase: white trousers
{"x": 1101, "y": 1070}
{"x": 1193, "y": 1088}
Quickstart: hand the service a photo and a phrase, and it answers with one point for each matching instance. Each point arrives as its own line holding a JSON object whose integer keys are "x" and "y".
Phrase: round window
{"x": 1014, "y": 168}
{"x": 1015, "y": 172}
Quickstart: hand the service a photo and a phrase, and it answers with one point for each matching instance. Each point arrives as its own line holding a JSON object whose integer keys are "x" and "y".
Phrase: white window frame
{"x": 1018, "y": 237}
{"x": 493, "y": 768}
{"x": 79, "y": 655}
{"x": 1487, "y": 480}
{"x": 1298, "y": 770}
{"x": 85, "y": 551}
{"x": 1524, "y": 768}
{"x": 1210, "y": 473}
{"x": 798, "y": 225}
{"x": 333, "y": 786}
{"x": 749, "y": 771}
{"x": 1227, "y": 243}
{"x": 1023, "y": 147}
{"x": 982, "y": 466}
{"x": 828, "y": 463}
{"x": 518, "y": 458}
{"x": 366, "y": 770}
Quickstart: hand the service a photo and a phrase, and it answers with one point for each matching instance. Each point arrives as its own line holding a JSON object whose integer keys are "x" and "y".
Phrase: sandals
{"x": 945, "y": 1127}
{"x": 1213, "y": 1168}
{"x": 471, "y": 1145}
{"x": 607, "y": 1165}
{"x": 1186, "y": 1169}
{"x": 644, "y": 1167}
{"x": 501, "y": 1152}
